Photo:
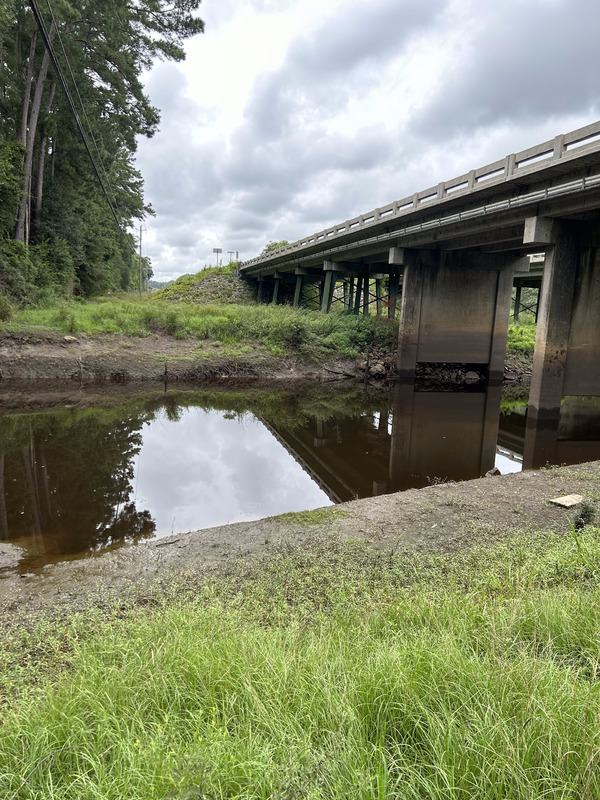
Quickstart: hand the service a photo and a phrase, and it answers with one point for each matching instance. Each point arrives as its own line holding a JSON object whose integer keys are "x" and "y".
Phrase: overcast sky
{"x": 291, "y": 115}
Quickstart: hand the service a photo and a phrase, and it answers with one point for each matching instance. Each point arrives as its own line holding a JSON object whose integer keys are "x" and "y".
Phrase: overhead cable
{"x": 89, "y": 127}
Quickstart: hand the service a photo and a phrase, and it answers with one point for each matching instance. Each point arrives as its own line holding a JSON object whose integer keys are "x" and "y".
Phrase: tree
{"x": 103, "y": 46}
{"x": 271, "y": 246}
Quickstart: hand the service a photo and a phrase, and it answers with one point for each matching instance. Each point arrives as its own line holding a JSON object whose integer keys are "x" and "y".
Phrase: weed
{"x": 585, "y": 516}
{"x": 330, "y": 672}
{"x": 317, "y": 516}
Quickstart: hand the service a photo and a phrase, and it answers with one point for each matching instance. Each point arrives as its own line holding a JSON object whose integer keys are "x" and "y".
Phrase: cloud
{"x": 525, "y": 62}
{"x": 291, "y": 116}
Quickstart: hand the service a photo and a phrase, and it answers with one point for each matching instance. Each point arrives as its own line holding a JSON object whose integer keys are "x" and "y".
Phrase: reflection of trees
{"x": 65, "y": 480}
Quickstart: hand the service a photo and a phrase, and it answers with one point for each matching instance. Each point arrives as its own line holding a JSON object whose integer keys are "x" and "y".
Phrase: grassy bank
{"x": 521, "y": 338}
{"x": 339, "y": 673}
{"x": 279, "y": 328}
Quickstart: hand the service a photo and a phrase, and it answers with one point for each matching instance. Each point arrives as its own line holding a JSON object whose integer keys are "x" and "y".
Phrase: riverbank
{"x": 27, "y": 357}
{"x": 446, "y": 518}
{"x": 340, "y": 653}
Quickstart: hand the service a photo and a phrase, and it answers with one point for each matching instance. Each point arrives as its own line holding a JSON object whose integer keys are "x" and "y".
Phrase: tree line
{"x": 68, "y": 203}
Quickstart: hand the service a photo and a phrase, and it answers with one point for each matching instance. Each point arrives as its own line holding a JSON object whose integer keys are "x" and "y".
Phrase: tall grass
{"x": 342, "y": 674}
{"x": 521, "y": 338}
{"x": 280, "y": 328}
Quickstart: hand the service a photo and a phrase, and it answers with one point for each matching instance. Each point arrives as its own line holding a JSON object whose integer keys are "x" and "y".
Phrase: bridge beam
{"x": 455, "y": 308}
{"x": 567, "y": 345}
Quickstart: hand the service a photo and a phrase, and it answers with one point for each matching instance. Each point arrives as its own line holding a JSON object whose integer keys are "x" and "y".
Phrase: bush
{"x": 6, "y": 309}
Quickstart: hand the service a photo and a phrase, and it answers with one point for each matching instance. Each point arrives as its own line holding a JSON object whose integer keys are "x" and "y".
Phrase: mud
{"x": 108, "y": 359}
{"x": 445, "y": 518}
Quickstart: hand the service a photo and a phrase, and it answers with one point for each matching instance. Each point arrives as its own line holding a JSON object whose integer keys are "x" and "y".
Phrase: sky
{"x": 289, "y": 116}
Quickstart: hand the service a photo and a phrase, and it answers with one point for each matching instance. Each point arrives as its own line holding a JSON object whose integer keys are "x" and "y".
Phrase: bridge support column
{"x": 350, "y": 305}
{"x": 276, "y": 283}
{"x": 366, "y": 297}
{"x": 567, "y": 346}
{"x": 517, "y": 302}
{"x": 300, "y": 273}
{"x": 393, "y": 289}
{"x": 378, "y": 296}
{"x": 259, "y": 291}
{"x": 357, "y": 296}
{"x": 329, "y": 268}
{"x": 455, "y": 308}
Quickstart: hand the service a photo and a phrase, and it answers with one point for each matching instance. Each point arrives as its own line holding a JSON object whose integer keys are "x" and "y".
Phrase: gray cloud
{"x": 529, "y": 61}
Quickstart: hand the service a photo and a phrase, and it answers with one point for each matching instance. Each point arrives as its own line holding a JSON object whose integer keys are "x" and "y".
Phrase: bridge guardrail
{"x": 581, "y": 184}
{"x": 525, "y": 162}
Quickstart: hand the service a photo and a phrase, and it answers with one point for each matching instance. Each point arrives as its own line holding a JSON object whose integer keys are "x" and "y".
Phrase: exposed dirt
{"x": 444, "y": 518}
{"x": 120, "y": 359}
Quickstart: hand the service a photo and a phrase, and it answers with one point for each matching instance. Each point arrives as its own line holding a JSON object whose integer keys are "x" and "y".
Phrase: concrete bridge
{"x": 453, "y": 251}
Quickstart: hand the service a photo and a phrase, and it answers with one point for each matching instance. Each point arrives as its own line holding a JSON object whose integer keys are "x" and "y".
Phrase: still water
{"x": 75, "y": 480}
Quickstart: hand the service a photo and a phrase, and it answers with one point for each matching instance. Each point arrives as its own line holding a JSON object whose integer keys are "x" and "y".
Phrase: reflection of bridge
{"x": 434, "y": 436}
{"x": 457, "y": 247}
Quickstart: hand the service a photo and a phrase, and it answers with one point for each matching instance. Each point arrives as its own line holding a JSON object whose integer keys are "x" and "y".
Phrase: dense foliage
{"x": 58, "y": 229}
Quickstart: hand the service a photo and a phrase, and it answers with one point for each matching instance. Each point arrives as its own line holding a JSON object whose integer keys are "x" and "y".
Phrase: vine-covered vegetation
{"x": 60, "y": 232}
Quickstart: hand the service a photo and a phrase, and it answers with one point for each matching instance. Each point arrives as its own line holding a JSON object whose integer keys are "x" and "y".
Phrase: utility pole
{"x": 140, "y": 262}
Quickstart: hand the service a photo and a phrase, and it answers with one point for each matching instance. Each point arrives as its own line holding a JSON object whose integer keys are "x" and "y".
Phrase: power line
{"x": 58, "y": 33}
{"x": 42, "y": 28}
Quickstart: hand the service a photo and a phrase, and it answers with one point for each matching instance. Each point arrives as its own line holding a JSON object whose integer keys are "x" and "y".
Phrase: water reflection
{"x": 209, "y": 467}
{"x": 568, "y": 435}
{"x": 77, "y": 481}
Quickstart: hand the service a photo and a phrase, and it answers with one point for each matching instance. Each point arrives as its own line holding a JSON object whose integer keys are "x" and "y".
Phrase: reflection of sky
{"x": 506, "y": 464}
{"x": 206, "y": 470}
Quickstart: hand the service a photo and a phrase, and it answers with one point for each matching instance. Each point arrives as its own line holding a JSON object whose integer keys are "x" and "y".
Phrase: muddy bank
{"x": 109, "y": 359}
{"x": 106, "y": 359}
{"x": 444, "y": 518}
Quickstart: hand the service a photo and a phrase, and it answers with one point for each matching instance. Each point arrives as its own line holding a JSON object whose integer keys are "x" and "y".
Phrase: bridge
{"x": 452, "y": 253}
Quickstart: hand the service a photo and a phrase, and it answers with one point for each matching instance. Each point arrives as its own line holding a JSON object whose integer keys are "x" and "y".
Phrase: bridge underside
{"x": 453, "y": 298}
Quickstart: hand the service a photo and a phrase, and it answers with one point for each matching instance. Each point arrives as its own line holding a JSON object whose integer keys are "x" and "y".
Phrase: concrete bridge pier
{"x": 455, "y": 308}
{"x": 566, "y": 360}
{"x": 567, "y": 347}
{"x": 330, "y": 270}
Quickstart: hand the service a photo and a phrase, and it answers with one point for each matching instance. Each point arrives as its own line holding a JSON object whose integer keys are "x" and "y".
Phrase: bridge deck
{"x": 488, "y": 204}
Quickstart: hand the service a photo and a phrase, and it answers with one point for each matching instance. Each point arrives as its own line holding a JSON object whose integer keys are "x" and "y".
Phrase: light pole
{"x": 217, "y": 250}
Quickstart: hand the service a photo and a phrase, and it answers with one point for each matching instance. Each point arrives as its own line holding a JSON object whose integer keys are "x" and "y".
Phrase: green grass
{"x": 280, "y": 329}
{"x": 336, "y": 673}
{"x": 317, "y": 516}
{"x": 521, "y": 338}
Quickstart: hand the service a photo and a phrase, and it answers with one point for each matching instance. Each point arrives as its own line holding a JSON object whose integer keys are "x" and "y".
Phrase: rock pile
{"x": 382, "y": 365}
